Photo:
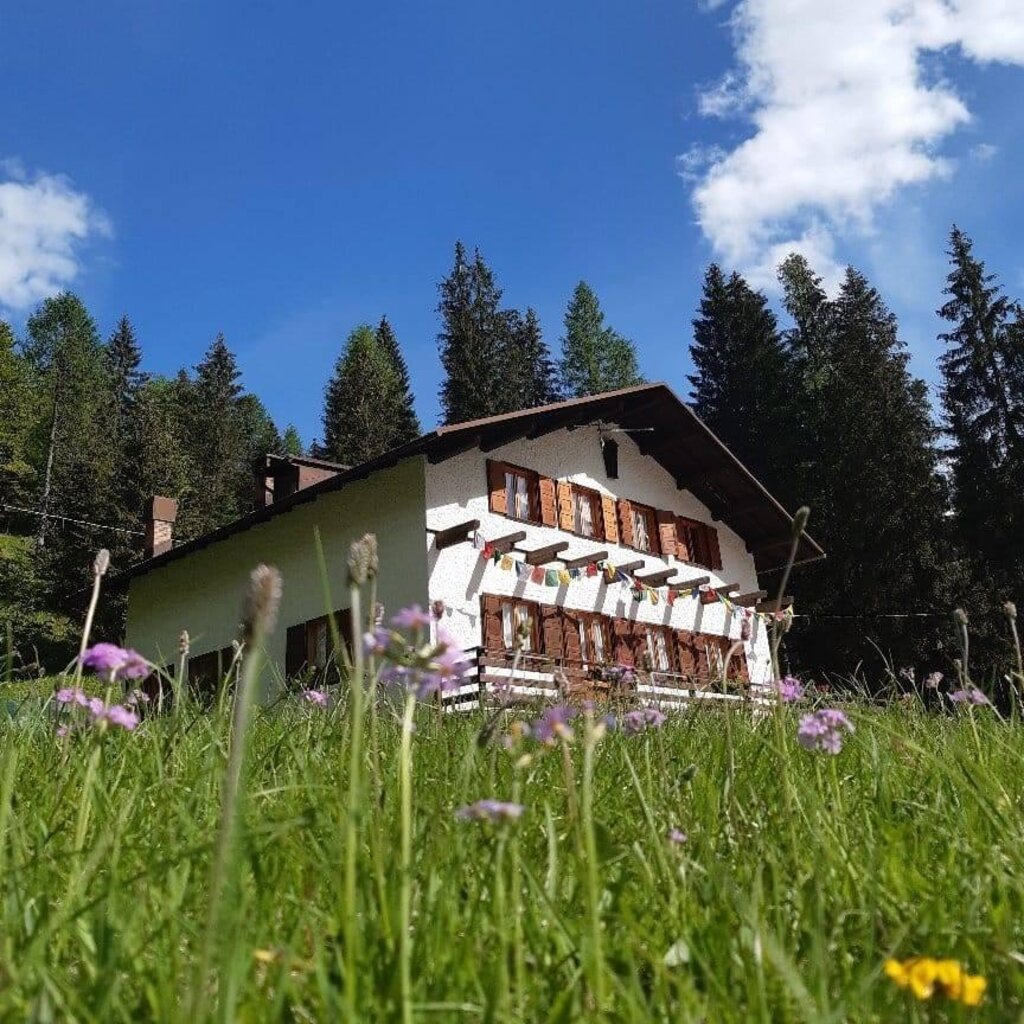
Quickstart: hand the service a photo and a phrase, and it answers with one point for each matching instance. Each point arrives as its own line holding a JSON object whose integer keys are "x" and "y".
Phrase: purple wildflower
{"x": 823, "y": 730}
{"x": 634, "y": 722}
{"x": 118, "y": 715}
{"x": 554, "y": 723}
{"x": 971, "y": 695}
{"x": 413, "y": 617}
{"x": 116, "y": 662}
{"x": 68, "y": 695}
{"x": 137, "y": 697}
{"x": 135, "y": 666}
{"x": 317, "y": 697}
{"x": 63, "y": 730}
{"x": 446, "y": 670}
{"x": 932, "y": 680}
{"x": 377, "y": 642}
{"x": 789, "y": 689}
{"x": 677, "y": 836}
{"x": 495, "y": 811}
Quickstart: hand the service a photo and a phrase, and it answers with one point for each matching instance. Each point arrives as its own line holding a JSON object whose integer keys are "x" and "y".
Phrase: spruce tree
{"x": 866, "y": 464}
{"x": 124, "y": 358}
{"x": 983, "y": 404}
{"x": 363, "y": 401}
{"x": 470, "y": 339}
{"x": 743, "y": 381}
{"x": 18, "y": 409}
{"x": 595, "y": 358}
{"x": 529, "y": 377}
{"x": 291, "y": 441}
{"x": 407, "y": 423}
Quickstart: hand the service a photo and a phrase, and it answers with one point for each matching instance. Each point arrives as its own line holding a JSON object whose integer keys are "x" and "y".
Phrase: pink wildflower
{"x": 824, "y": 730}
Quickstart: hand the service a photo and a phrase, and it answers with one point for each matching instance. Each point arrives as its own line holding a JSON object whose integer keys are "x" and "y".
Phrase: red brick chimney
{"x": 160, "y": 516}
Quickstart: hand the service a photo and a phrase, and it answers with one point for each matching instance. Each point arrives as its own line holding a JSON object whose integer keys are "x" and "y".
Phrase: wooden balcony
{"x": 502, "y": 677}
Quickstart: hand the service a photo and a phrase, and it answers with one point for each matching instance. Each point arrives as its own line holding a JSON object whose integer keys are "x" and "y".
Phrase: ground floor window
{"x": 308, "y": 645}
{"x": 518, "y": 626}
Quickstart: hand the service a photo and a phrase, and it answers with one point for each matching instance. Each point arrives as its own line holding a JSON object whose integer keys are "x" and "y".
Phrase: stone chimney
{"x": 160, "y": 516}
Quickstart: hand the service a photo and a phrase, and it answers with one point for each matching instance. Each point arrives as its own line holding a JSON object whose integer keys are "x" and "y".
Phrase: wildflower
{"x": 67, "y": 695}
{"x": 634, "y": 722}
{"x": 677, "y": 836}
{"x": 932, "y": 680}
{"x": 494, "y": 811}
{"x": 317, "y": 697}
{"x": 823, "y": 730}
{"x": 446, "y": 669}
{"x": 63, "y": 730}
{"x": 413, "y": 617}
{"x": 907, "y": 674}
{"x": 104, "y": 658}
{"x": 118, "y": 715}
{"x": 377, "y": 642}
{"x": 971, "y": 695}
{"x": 137, "y": 697}
{"x": 553, "y": 724}
{"x": 134, "y": 667}
{"x": 789, "y": 689}
{"x": 924, "y": 976}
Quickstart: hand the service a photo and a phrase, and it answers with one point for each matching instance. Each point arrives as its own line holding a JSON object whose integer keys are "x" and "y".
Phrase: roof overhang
{"x": 661, "y": 425}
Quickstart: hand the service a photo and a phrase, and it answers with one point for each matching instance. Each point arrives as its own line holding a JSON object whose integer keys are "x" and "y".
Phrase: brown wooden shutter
{"x": 714, "y": 551}
{"x": 623, "y": 640}
{"x": 666, "y": 532}
{"x": 686, "y": 653}
{"x": 608, "y": 516}
{"x": 571, "y": 638}
{"x": 566, "y": 520}
{"x": 639, "y": 641}
{"x": 490, "y": 623}
{"x": 496, "y": 486}
{"x": 551, "y": 630}
{"x": 295, "y": 649}
{"x": 548, "y": 509}
{"x": 626, "y": 522}
{"x": 684, "y": 540}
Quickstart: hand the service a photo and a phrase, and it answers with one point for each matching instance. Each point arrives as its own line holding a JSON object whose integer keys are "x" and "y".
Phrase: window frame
{"x": 512, "y": 603}
{"x": 650, "y": 518}
{"x": 596, "y": 511}
{"x": 532, "y": 478}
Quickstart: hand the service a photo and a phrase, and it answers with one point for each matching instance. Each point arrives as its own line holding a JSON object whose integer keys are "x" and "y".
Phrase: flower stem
{"x": 404, "y": 935}
{"x": 595, "y": 959}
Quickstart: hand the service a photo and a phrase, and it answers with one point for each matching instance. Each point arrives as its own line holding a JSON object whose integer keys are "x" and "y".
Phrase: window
{"x": 698, "y": 544}
{"x": 518, "y": 626}
{"x": 308, "y": 644}
{"x": 644, "y": 527}
{"x": 586, "y": 513}
{"x": 657, "y": 650}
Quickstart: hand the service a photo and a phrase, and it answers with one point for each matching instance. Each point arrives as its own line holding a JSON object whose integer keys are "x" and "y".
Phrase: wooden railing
{"x": 503, "y": 676}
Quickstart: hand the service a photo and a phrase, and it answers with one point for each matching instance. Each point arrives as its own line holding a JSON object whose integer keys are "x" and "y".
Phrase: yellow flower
{"x": 922, "y": 974}
{"x": 897, "y": 972}
{"x": 973, "y": 988}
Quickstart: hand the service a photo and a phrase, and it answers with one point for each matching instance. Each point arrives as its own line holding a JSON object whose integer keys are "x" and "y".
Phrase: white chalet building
{"x": 590, "y": 534}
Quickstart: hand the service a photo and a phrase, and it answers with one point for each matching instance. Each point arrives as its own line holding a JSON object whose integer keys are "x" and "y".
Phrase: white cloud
{"x": 44, "y": 221}
{"x": 984, "y": 151}
{"x": 844, "y": 116}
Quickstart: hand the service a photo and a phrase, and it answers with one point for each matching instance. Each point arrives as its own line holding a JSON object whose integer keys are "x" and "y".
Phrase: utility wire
{"x": 68, "y": 519}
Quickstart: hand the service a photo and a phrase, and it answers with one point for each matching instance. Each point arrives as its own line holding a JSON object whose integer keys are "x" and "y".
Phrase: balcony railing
{"x": 499, "y": 676}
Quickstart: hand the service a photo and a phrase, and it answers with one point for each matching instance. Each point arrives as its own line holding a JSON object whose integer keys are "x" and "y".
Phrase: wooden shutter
{"x": 623, "y": 641}
{"x": 608, "y": 516}
{"x": 639, "y": 642}
{"x": 626, "y": 522}
{"x": 686, "y": 653}
{"x": 490, "y": 620}
{"x": 548, "y": 511}
{"x": 566, "y": 520}
{"x": 295, "y": 649}
{"x": 714, "y": 551}
{"x": 571, "y": 638}
{"x": 666, "y": 532}
{"x": 496, "y": 486}
{"x": 684, "y": 540}
{"x": 343, "y": 621}
{"x": 551, "y": 630}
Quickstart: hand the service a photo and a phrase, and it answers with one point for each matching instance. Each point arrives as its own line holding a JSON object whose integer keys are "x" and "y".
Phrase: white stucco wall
{"x": 202, "y": 592}
{"x": 456, "y": 490}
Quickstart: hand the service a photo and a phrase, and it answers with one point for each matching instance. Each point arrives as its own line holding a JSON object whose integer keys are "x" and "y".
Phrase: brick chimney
{"x": 160, "y": 516}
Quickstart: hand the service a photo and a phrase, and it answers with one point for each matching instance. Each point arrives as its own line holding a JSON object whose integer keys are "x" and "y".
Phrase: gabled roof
{"x": 662, "y": 427}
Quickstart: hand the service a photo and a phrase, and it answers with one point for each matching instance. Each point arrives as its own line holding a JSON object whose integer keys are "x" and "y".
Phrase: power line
{"x": 69, "y": 519}
{"x": 871, "y": 615}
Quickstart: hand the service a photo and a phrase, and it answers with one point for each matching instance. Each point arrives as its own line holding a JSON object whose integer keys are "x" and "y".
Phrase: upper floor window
{"x": 644, "y": 527}
{"x": 520, "y": 493}
{"x": 586, "y": 513}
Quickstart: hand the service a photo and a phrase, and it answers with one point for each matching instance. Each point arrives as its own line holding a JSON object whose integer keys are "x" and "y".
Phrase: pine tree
{"x": 124, "y": 358}
{"x": 866, "y": 465}
{"x": 18, "y": 408}
{"x": 291, "y": 441}
{"x": 595, "y": 358}
{"x": 407, "y": 425}
{"x": 363, "y": 401}
{"x": 529, "y": 377}
{"x": 470, "y": 339}
{"x": 983, "y": 402}
{"x": 743, "y": 381}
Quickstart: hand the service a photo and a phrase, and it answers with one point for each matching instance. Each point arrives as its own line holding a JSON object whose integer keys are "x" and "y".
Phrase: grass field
{"x": 800, "y": 874}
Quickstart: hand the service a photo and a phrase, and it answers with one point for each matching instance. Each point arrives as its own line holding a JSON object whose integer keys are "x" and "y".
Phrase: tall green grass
{"x": 801, "y": 872}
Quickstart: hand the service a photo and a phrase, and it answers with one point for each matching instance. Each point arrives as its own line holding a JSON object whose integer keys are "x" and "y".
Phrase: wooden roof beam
{"x": 548, "y": 553}
{"x": 631, "y": 566}
{"x": 698, "y": 582}
{"x": 751, "y": 599}
{"x": 578, "y": 563}
{"x": 769, "y": 606}
{"x": 725, "y": 588}
{"x": 657, "y": 579}
{"x": 452, "y": 535}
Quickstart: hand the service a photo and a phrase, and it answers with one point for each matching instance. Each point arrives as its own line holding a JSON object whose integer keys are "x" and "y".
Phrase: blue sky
{"x": 284, "y": 172}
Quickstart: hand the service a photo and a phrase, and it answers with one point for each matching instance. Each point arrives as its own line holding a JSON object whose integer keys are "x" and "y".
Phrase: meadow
{"x": 709, "y": 868}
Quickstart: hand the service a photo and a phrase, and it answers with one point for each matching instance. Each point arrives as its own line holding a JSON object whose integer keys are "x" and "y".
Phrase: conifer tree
{"x": 470, "y": 339}
{"x": 407, "y": 423}
{"x": 983, "y": 402}
{"x": 595, "y": 358}
{"x": 362, "y": 402}
{"x": 529, "y": 377}
{"x": 18, "y": 409}
{"x": 743, "y": 381}
{"x": 124, "y": 357}
{"x": 865, "y": 462}
{"x": 291, "y": 441}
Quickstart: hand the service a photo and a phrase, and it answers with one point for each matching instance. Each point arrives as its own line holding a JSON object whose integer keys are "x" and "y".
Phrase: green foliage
{"x": 291, "y": 441}
{"x": 366, "y": 405}
{"x": 18, "y": 409}
{"x": 529, "y": 376}
{"x": 801, "y": 874}
{"x": 595, "y": 358}
{"x": 407, "y": 424}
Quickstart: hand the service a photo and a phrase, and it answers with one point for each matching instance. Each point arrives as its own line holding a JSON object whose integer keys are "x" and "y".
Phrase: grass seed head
{"x": 262, "y": 598}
